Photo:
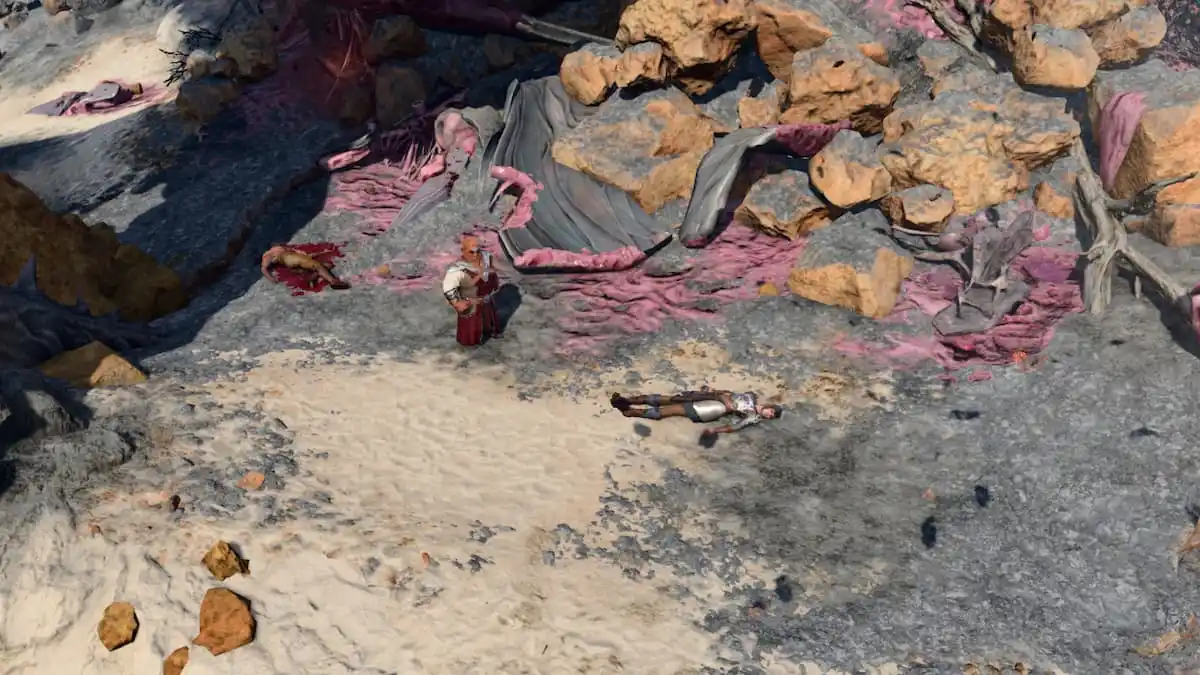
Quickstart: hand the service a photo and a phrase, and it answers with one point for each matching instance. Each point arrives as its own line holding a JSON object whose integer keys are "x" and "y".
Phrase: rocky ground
{"x": 852, "y": 534}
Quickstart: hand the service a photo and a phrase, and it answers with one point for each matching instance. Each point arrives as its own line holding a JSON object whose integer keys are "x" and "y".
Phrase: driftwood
{"x": 1110, "y": 245}
{"x": 965, "y": 35}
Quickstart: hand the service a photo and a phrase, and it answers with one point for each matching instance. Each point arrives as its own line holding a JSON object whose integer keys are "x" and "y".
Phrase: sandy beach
{"x": 412, "y": 460}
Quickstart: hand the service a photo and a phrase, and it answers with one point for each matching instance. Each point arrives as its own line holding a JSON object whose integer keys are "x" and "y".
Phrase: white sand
{"x": 416, "y": 452}
{"x": 130, "y": 58}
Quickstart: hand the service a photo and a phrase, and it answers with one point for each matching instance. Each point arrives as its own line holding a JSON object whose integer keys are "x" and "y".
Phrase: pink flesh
{"x": 151, "y": 95}
{"x": 341, "y": 160}
{"x": 522, "y": 211}
{"x": 896, "y": 14}
{"x": 1028, "y": 330}
{"x": 602, "y": 306}
{"x": 1118, "y": 121}
{"x": 377, "y": 192}
{"x": 806, "y": 140}
{"x": 548, "y": 258}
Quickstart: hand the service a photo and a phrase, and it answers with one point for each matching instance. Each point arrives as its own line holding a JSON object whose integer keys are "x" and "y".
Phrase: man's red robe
{"x": 482, "y": 321}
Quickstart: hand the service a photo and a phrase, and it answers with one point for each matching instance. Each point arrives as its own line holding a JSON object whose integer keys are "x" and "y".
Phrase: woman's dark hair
{"x": 778, "y": 410}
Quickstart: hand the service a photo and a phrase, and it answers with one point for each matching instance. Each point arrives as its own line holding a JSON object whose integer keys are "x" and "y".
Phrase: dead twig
{"x": 966, "y": 36}
{"x": 1143, "y": 202}
{"x": 1110, "y": 246}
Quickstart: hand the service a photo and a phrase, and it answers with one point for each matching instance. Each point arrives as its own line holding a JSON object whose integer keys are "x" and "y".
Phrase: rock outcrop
{"x": 1130, "y": 36}
{"x": 835, "y": 82}
{"x": 1165, "y": 142}
{"x": 698, "y": 37}
{"x": 399, "y": 89}
{"x": 852, "y": 264}
{"x": 590, "y": 73}
{"x": 785, "y": 27}
{"x": 925, "y": 207}
{"x": 979, "y": 144}
{"x": 1175, "y": 220}
{"x": 76, "y": 263}
{"x": 1044, "y": 56}
{"x": 761, "y": 109}
{"x": 848, "y": 172}
{"x": 397, "y": 37}
{"x": 93, "y": 365}
{"x": 783, "y": 204}
{"x": 648, "y": 146}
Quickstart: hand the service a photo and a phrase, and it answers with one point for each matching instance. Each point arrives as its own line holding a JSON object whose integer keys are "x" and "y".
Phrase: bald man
{"x": 470, "y": 286}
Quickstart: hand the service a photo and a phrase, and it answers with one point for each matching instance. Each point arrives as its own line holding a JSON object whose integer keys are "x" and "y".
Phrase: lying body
{"x": 706, "y": 405}
{"x": 286, "y": 256}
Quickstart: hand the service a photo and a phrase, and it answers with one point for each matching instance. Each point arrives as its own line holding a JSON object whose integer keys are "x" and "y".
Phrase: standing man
{"x": 470, "y": 287}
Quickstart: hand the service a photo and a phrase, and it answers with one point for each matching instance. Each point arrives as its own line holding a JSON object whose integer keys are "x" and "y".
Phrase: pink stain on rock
{"x": 152, "y": 94}
{"x": 1119, "y": 120}
{"x": 1027, "y": 331}
{"x": 582, "y": 261}
{"x": 806, "y": 140}
{"x": 896, "y": 14}
{"x": 603, "y": 306}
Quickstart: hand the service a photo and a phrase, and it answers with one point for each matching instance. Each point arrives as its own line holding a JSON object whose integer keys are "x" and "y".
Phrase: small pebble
{"x": 982, "y": 496}
{"x": 929, "y": 532}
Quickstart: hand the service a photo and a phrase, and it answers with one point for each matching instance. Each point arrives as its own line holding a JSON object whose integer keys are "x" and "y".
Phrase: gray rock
{"x": 396, "y": 37}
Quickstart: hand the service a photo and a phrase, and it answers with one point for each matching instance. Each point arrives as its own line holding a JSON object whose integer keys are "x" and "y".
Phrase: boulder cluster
{"x": 935, "y": 131}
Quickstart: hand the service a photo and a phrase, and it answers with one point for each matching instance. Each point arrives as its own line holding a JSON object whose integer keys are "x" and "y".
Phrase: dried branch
{"x": 966, "y": 36}
{"x": 1110, "y": 245}
{"x": 1143, "y": 202}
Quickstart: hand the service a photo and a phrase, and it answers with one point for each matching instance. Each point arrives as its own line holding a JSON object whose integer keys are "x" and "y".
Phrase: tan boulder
{"x": 201, "y": 63}
{"x": 226, "y": 622}
{"x": 249, "y": 41}
{"x": 979, "y": 144}
{"x": 223, "y": 562}
{"x": 951, "y": 68}
{"x": 176, "y": 661}
{"x": 1049, "y": 199}
{"x": 1006, "y": 17}
{"x": 394, "y": 37}
{"x": 783, "y": 204}
{"x": 75, "y": 262}
{"x": 789, "y": 26}
{"x": 93, "y": 365}
{"x": 588, "y": 74}
{"x": 1166, "y": 142}
{"x": 1054, "y": 57}
{"x": 1175, "y": 220}
{"x": 399, "y": 89}
{"x": 649, "y": 146}
{"x": 644, "y": 63}
{"x": 848, "y": 172}
{"x": 761, "y": 109}
{"x": 836, "y": 82}
{"x": 118, "y": 627}
{"x": 1130, "y": 36}
{"x": 201, "y": 99}
{"x": 925, "y": 207}
{"x": 851, "y": 265}
{"x": 356, "y": 103}
{"x": 504, "y": 51}
{"x": 698, "y": 37}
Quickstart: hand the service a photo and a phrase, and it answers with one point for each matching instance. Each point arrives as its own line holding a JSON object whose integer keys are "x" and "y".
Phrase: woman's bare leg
{"x": 655, "y": 412}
